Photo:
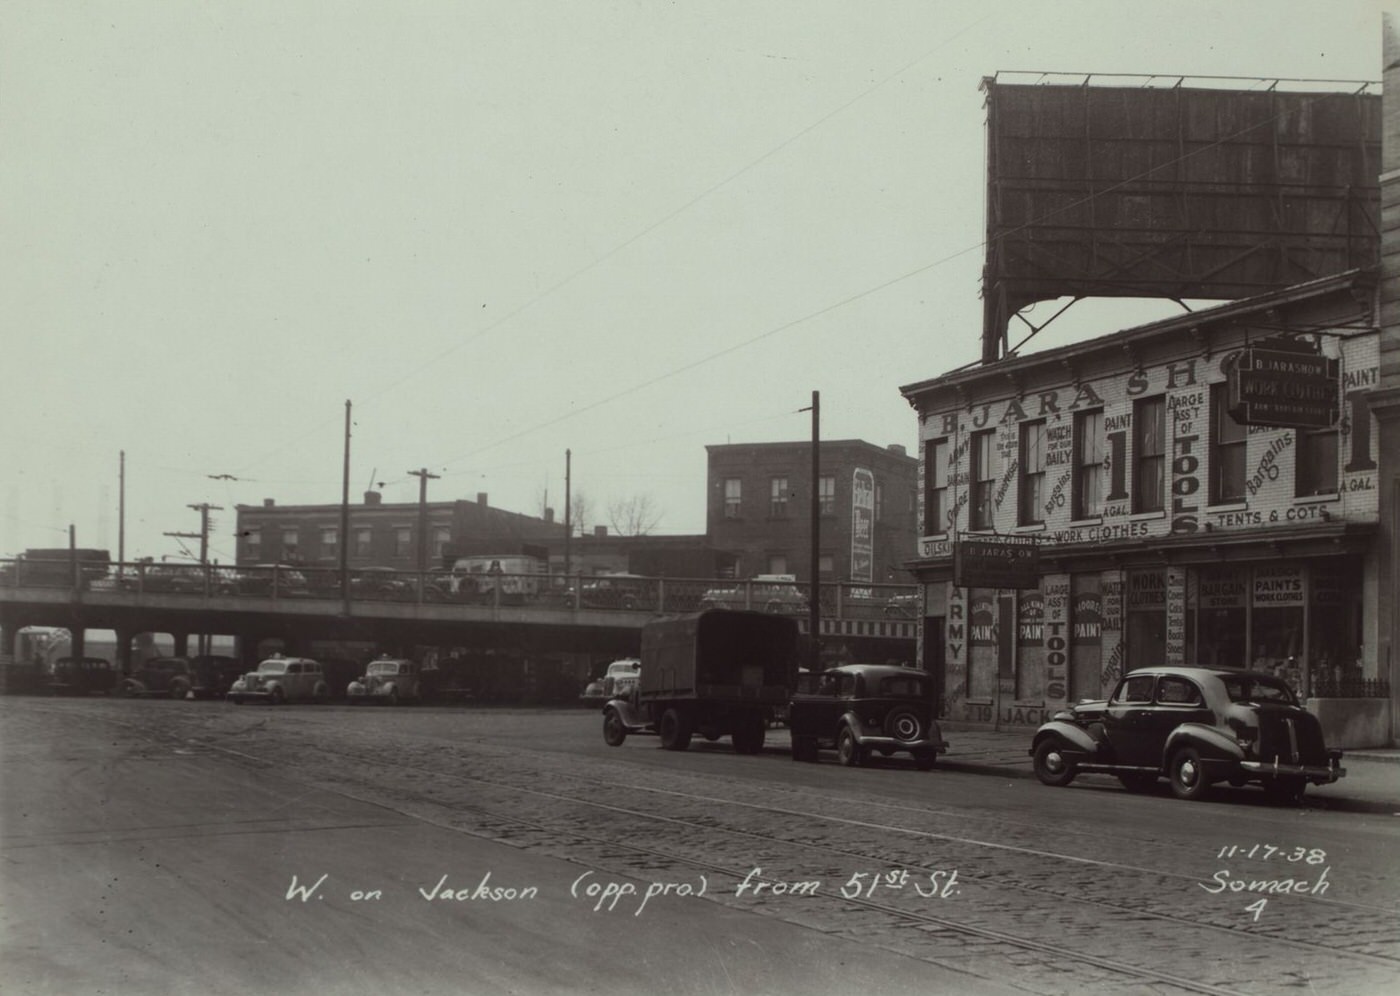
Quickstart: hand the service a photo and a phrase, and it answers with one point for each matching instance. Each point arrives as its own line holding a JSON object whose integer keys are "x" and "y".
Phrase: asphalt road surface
{"x": 198, "y": 847}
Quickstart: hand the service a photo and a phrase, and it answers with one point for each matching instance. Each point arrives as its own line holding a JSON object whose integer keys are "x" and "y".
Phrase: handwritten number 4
{"x": 1256, "y": 908}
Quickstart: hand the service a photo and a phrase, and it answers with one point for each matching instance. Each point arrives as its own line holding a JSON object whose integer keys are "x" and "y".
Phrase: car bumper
{"x": 890, "y": 743}
{"x": 1317, "y": 774}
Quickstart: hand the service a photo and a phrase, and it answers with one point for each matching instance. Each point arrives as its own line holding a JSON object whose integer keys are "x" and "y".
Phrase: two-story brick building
{"x": 1166, "y": 531}
{"x": 760, "y": 504}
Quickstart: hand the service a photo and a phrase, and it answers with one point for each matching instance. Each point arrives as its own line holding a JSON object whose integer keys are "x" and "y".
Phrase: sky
{"x": 504, "y": 230}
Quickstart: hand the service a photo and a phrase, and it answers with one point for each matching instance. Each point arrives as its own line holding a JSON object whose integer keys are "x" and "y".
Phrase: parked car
{"x": 617, "y": 682}
{"x": 282, "y": 679}
{"x": 390, "y": 680}
{"x": 389, "y": 584}
{"x": 860, "y": 709}
{"x": 765, "y": 592}
{"x": 215, "y": 674}
{"x": 73, "y": 676}
{"x": 617, "y": 591}
{"x": 1194, "y": 727}
{"x": 264, "y": 579}
{"x": 169, "y": 676}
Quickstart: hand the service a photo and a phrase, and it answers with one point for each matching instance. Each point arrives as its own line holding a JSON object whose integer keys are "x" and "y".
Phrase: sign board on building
{"x": 996, "y": 562}
{"x": 1285, "y": 388}
{"x": 862, "y": 525}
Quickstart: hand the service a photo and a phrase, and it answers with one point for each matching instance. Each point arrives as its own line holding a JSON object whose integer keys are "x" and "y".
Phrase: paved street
{"x": 163, "y": 847}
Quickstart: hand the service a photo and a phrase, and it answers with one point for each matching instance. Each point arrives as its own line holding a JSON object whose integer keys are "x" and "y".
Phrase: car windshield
{"x": 1254, "y": 688}
{"x": 272, "y": 667}
{"x": 384, "y": 667}
{"x": 904, "y": 686}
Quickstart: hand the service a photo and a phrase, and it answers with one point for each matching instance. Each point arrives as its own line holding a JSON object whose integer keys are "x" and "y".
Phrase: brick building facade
{"x": 1167, "y": 532}
{"x": 760, "y": 500}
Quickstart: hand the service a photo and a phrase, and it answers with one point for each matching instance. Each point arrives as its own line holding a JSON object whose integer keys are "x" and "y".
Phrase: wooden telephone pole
{"x": 423, "y": 478}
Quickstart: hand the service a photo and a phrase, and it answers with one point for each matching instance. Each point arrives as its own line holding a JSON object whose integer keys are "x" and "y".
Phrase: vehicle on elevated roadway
{"x": 716, "y": 673}
{"x": 82, "y": 676}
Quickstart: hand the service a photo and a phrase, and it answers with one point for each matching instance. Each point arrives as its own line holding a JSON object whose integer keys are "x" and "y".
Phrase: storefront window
{"x": 1221, "y": 617}
{"x": 1086, "y": 637}
{"x": 1030, "y": 647}
{"x": 1334, "y": 626}
{"x": 1277, "y": 626}
{"x": 1146, "y": 623}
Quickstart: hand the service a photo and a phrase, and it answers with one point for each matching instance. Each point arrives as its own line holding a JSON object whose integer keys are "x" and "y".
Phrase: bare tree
{"x": 634, "y": 516}
{"x": 581, "y": 509}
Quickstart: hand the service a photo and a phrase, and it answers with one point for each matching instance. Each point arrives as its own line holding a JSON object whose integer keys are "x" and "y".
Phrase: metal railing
{"x": 576, "y": 593}
{"x": 1325, "y": 686}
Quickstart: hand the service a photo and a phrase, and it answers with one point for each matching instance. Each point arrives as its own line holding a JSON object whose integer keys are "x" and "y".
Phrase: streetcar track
{"x": 494, "y": 824}
{"x": 909, "y": 916}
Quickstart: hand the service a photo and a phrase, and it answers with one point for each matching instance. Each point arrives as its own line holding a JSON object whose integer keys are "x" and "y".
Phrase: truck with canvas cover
{"x": 717, "y": 673}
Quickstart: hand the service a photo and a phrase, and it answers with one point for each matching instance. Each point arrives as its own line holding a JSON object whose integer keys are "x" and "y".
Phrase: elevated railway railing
{"x": 623, "y": 593}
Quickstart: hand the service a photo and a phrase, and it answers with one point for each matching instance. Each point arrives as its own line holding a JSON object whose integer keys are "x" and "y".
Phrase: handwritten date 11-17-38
{"x": 1263, "y": 852}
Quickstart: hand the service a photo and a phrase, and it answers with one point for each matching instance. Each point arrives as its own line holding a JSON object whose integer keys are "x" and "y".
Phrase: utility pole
{"x": 204, "y": 508}
{"x": 568, "y": 510}
{"x": 121, "y": 510}
{"x": 345, "y": 518}
{"x": 423, "y": 478}
{"x": 814, "y": 600}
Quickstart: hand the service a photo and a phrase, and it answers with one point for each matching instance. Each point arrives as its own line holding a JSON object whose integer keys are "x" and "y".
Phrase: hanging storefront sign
{"x": 996, "y": 562}
{"x": 1278, "y": 586}
{"x": 1287, "y": 385}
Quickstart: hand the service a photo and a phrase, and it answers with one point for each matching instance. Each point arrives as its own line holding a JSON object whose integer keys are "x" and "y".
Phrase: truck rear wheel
{"x": 675, "y": 730}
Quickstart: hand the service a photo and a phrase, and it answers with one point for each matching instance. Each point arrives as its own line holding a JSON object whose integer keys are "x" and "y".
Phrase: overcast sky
{"x": 507, "y": 229}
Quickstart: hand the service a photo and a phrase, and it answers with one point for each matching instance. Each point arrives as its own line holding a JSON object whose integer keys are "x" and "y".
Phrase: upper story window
{"x": 983, "y": 480}
{"x": 1227, "y": 450}
{"x": 879, "y": 502}
{"x": 1149, "y": 454}
{"x": 442, "y": 535}
{"x": 826, "y": 495}
{"x": 362, "y": 542}
{"x": 403, "y": 539}
{"x": 778, "y": 497}
{"x": 1316, "y": 461}
{"x": 1032, "y": 484}
{"x": 290, "y": 538}
{"x": 253, "y": 538}
{"x": 330, "y": 537}
{"x": 935, "y": 486}
{"x": 733, "y": 497}
{"x": 1088, "y": 464}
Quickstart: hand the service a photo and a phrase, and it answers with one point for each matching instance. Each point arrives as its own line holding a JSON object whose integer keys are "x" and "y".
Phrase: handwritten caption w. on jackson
{"x": 599, "y": 894}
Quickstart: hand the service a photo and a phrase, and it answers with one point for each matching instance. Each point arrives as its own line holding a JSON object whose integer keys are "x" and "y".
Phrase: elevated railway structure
{"x": 538, "y": 614}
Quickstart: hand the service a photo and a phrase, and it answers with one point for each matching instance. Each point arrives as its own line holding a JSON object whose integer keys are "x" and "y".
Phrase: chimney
{"x": 549, "y": 515}
{"x": 600, "y": 532}
{"x": 269, "y": 502}
{"x": 897, "y": 449}
{"x": 481, "y": 498}
{"x": 373, "y": 497}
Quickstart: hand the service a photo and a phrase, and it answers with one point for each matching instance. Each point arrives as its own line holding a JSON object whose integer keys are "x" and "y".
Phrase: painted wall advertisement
{"x": 862, "y": 525}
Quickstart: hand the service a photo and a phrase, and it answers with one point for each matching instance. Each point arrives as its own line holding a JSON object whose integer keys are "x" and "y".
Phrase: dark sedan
{"x": 1195, "y": 727}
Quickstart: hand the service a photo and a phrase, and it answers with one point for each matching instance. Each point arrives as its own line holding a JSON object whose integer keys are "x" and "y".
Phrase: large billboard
{"x": 1172, "y": 191}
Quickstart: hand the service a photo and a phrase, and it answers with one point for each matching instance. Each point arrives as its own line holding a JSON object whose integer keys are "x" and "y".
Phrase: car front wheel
{"x": 614, "y": 733}
{"x": 848, "y": 750}
{"x": 1188, "y": 774}
{"x": 1051, "y": 765}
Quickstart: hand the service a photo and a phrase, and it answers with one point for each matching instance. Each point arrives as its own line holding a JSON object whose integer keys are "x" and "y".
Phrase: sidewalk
{"x": 1008, "y": 752}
